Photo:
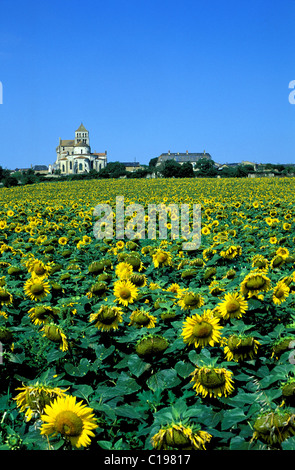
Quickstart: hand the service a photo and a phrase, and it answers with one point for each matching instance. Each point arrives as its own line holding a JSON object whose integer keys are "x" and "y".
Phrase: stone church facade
{"x": 75, "y": 156}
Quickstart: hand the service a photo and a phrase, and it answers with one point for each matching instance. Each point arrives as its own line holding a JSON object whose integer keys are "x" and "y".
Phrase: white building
{"x": 74, "y": 156}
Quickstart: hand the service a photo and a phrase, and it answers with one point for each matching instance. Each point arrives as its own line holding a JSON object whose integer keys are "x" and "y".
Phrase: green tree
{"x": 206, "y": 168}
{"x": 171, "y": 169}
{"x": 10, "y": 181}
{"x": 187, "y": 170}
{"x": 113, "y": 170}
{"x": 153, "y": 162}
{"x": 4, "y": 173}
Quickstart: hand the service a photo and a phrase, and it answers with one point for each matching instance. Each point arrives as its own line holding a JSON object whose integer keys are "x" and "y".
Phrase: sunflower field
{"x": 138, "y": 344}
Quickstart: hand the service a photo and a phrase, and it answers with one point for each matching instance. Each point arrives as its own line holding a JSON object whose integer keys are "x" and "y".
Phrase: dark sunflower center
{"x": 211, "y": 379}
{"x": 4, "y": 295}
{"x": 232, "y": 306}
{"x": 125, "y": 293}
{"x": 280, "y": 293}
{"x": 39, "y": 269}
{"x": 107, "y": 317}
{"x": 142, "y": 319}
{"x": 202, "y": 330}
{"x": 161, "y": 257}
{"x": 37, "y": 288}
{"x": 190, "y": 300}
{"x": 68, "y": 424}
{"x": 177, "y": 438}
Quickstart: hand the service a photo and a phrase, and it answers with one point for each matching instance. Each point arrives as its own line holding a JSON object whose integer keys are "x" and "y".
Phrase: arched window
{"x": 63, "y": 168}
{"x": 71, "y": 165}
{"x": 80, "y": 167}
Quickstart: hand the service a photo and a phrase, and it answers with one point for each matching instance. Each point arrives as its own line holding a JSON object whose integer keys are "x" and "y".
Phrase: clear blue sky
{"x": 148, "y": 76}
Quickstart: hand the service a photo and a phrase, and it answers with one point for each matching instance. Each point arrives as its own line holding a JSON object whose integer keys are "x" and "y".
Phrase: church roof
{"x": 81, "y": 128}
{"x": 67, "y": 143}
{"x": 80, "y": 144}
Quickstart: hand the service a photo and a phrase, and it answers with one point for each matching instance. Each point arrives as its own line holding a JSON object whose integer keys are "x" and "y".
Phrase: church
{"x": 74, "y": 156}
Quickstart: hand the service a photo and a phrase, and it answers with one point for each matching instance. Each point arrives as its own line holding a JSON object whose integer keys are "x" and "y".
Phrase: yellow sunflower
{"x": 63, "y": 241}
{"x": 274, "y": 427}
{"x": 41, "y": 314}
{"x": 174, "y": 288}
{"x": 55, "y": 334}
{"x": 255, "y": 283}
{"x": 189, "y": 300}
{"x": 141, "y": 318}
{"x": 180, "y": 436}
{"x": 107, "y": 318}
{"x": 240, "y": 347}
{"x": 283, "y": 252}
{"x": 38, "y": 268}
{"x": 6, "y": 297}
{"x": 125, "y": 291}
{"x": 233, "y": 306}
{"x": 201, "y": 330}
{"x": 33, "y": 398}
{"x": 162, "y": 258}
{"x": 232, "y": 252}
{"x": 280, "y": 293}
{"x": 215, "y": 382}
{"x": 124, "y": 270}
{"x": 36, "y": 288}
{"x": 74, "y": 421}
{"x": 260, "y": 263}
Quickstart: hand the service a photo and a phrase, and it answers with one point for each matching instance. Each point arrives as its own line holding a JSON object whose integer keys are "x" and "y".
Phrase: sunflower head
{"x": 96, "y": 267}
{"x": 6, "y": 336}
{"x": 280, "y": 293}
{"x": 180, "y": 436}
{"x": 139, "y": 280}
{"x": 75, "y": 422}
{"x": 241, "y": 347}
{"x": 33, "y": 398}
{"x": 125, "y": 291}
{"x": 282, "y": 345}
{"x": 152, "y": 345}
{"x": 5, "y": 297}
{"x": 255, "y": 283}
{"x": 215, "y": 382}
{"x": 162, "y": 258}
{"x": 141, "y": 318}
{"x": 274, "y": 427}
{"x": 189, "y": 299}
{"x": 107, "y": 318}
{"x": 202, "y": 330}
{"x": 98, "y": 289}
{"x": 134, "y": 260}
{"x": 288, "y": 391}
{"x": 209, "y": 273}
{"x": 36, "y": 288}
{"x": 55, "y": 334}
{"x": 233, "y": 306}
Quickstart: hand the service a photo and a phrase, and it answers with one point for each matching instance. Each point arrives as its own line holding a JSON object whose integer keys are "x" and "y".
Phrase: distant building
{"x": 75, "y": 156}
{"x": 41, "y": 169}
{"x": 132, "y": 166}
{"x": 181, "y": 158}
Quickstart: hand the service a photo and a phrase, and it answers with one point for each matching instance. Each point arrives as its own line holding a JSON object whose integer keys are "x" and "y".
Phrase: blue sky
{"x": 147, "y": 76}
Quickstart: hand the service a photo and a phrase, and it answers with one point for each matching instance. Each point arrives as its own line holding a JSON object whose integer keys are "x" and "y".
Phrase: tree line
{"x": 203, "y": 168}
